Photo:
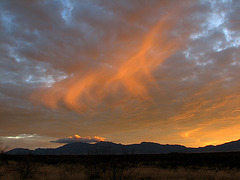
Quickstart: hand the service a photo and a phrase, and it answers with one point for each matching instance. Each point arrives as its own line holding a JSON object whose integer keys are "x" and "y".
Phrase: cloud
{"x": 23, "y": 136}
{"x": 77, "y": 138}
{"x": 128, "y": 71}
{"x": 31, "y": 141}
{"x": 130, "y": 78}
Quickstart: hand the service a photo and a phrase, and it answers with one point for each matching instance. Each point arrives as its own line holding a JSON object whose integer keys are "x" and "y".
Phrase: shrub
{"x": 26, "y": 169}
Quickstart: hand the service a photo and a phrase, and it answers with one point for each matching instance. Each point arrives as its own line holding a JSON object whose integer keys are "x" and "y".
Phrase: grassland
{"x": 120, "y": 167}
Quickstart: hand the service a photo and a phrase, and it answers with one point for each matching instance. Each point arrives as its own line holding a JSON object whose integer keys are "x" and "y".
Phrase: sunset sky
{"x": 123, "y": 71}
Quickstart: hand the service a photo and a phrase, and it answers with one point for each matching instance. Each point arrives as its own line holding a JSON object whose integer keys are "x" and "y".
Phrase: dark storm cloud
{"x": 77, "y": 57}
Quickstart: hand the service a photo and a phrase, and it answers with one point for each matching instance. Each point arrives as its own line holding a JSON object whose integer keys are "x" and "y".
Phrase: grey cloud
{"x": 48, "y": 44}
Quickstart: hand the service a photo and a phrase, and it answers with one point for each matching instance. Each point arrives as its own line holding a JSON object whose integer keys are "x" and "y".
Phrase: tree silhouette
{"x": 3, "y": 146}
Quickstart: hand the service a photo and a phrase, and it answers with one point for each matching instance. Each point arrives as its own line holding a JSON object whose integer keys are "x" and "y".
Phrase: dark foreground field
{"x": 163, "y": 166}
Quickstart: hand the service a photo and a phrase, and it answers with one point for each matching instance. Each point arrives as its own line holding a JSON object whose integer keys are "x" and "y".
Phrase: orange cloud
{"x": 129, "y": 80}
{"x": 77, "y": 138}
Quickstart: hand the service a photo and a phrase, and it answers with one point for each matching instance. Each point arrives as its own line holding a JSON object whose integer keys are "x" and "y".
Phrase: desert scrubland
{"x": 164, "y": 166}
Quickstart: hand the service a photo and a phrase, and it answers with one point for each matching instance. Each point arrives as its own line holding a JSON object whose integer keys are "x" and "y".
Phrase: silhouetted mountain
{"x": 105, "y": 148}
{"x": 226, "y": 147}
{"x": 19, "y": 151}
{"x": 154, "y": 148}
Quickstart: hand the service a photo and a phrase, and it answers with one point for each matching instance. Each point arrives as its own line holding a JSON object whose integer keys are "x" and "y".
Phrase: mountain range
{"x": 108, "y": 148}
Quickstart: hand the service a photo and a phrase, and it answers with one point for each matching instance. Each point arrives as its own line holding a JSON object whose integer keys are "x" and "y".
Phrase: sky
{"x": 122, "y": 71}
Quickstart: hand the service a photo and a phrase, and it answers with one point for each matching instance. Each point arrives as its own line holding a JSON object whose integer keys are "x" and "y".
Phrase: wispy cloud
{"x": 31, "y": 141}
{"x": 23, "y": 136}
